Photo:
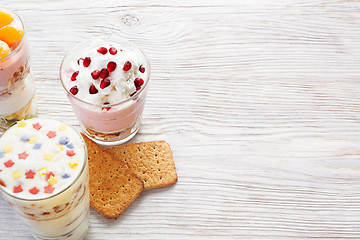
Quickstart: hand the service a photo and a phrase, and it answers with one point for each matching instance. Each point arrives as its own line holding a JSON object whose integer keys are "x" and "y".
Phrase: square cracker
{"x": 151, "y": 161}
{"x": 113, "y": 187}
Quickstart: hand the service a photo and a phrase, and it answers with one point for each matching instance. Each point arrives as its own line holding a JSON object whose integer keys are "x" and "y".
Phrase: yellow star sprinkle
{"x": 42, "y": 171}
{"x": 33, "y": 140}
{"x": 60, "y": 147}
{"x": 16, "y": 174}
{"x": 21, "y": 123}
{"x": 61, "y": 127}
{"x": 48, "y": 156}
{"x": 52, "y": 180}
{"x": 8, "y": 148}
{"x": 73, "y": 163}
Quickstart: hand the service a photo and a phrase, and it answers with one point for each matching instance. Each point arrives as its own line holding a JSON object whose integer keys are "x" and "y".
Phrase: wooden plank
{"x": 259, "y": 101}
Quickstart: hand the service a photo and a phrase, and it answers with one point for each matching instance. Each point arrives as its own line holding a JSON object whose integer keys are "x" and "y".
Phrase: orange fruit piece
{"x": 5, "y": 19}
{"x": 11, "y": 36}
{"x": 4, "y": 49}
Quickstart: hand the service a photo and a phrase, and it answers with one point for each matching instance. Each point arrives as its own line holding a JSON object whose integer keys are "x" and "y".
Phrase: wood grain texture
{"x": 259, "y": 100}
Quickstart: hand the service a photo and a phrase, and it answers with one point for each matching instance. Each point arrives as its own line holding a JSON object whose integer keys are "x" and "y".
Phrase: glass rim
{"x": 22, "y": 38}
{"x": 137, "y": 93}
{"x": 70, "y": 185}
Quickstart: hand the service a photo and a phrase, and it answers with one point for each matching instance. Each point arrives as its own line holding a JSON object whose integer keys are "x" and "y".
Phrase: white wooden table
{"x": 259, "y": 100}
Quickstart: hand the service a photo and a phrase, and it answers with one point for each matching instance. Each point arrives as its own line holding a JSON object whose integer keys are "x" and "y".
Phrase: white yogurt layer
{"x": 122, "y": 82}
{"x": 39, "y": 158}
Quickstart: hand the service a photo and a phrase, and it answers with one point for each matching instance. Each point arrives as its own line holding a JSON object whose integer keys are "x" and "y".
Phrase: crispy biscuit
{"x": 151, "y": 161}
{"x": 113, "y": 187}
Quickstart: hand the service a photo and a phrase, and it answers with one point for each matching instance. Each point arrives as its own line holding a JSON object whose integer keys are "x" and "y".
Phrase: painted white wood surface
{"x": 259, "y": 100}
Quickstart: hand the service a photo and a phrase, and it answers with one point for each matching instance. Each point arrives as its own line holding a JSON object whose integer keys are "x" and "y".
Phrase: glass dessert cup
{"x": 63, "y": 215}
{"x": 17, "y": 88}
{"x": 108, "y": 124}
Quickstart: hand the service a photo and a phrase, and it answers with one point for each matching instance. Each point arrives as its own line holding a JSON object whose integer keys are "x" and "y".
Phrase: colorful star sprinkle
{"x": 70, "y": 153}
{"x": 73, "y": 163}
{"x": 1, "y": 154}
{"x": 33, "y": 140}
{"x": 42, "y": 171}
{"x": 34, "y": 190}
{"x": 17, "y": 189}
{"x": 52, "y": 180}
{"x": 61, "y": 127}
{"x": 21, "y": 124}
{"x": 49, "y": 189}
{"x": 30, "y": 174}
{"x": 48, "y": 175}
{"x": 8, "y": 148}
{"x": 9, "y": 163}
{"x": 16, "y": 174}
{"x": 37, "y": 126}
{"x": 25, "y": 138}
{"x": 60, "y": 147}
{"x": 37, "y": 146}
{"x": 70, "y": 145}
{"x": 51, "y": 134}
{"x": 23, "y": 155}
{"x": 65, "y": 175}
{"x": 64, "y": 141}
{"x": 48, "y": 156}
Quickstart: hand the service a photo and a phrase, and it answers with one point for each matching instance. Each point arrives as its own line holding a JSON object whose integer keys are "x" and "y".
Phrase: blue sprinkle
{"x": 1, "y": 154}
{"x": 37, "y": 146}
{"x": 25, "y": 138}
{"x": 64, "y": 141}
{"x": 70, "y": 145}
{"x": 65, "y": 175}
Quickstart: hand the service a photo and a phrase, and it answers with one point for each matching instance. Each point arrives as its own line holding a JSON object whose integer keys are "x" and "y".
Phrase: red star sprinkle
{"x": 9, "y": 163}
{"x": 70, "y": 153}
{"x": 48, "y": 175}
{"x": 49, "y": 189}
{"x": 23, "y": 155}
{"x": 30, "y": 174}
{"x": 17, "y": 189}
{"x": 37, "y": 126}
{"x": 51, "y": 134}
{"x": 34, "y": 190}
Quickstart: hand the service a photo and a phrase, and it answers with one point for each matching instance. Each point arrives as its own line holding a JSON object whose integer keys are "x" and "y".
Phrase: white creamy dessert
{"x": 104, "y": 72}
{"x": 44, "y": 177}
{"x": 40, "y": 158}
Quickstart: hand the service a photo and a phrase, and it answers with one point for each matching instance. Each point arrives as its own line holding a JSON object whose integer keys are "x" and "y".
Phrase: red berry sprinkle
{"x": 112, "y": 51}
{"x": 95, "y": 74}
{"x": 74, "y": 75}
{"x": 78, "y": 61}
{"x": 104, "y": 73}
{"x": 104, "y": 83}
{"x": 48, "y": 175}
{"x": 49, "y": 189}
{"x": 106, "y": 108}
{"x": 111, "y": 66}
{"x": 138, "y": 83}
{"x": 102, "y": 50}
{"x": 70, "y": 153}
{"x": 127, "y": 66}
{"x": 9, "y": 163}
{"x": 74, "y": 90}
{"x": 142, "y": 69}
{"x": 93, "y": 90}
{"x": 87, "y": 62}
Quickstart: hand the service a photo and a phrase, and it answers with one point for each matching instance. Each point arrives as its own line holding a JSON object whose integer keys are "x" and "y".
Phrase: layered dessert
{"x": 106, "y": 82}
{"x": 44, "y": 177}
{"x": 17, "y": 90}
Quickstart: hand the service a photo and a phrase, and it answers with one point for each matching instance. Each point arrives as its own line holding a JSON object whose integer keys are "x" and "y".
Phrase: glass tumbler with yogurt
{"x": 44, "y": 176}
{"x": 17, "y": 88}
{"x": 106, "y": 80}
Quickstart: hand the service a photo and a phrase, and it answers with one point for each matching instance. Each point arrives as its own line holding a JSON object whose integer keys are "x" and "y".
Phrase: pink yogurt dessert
{"x": 106, "y": 81}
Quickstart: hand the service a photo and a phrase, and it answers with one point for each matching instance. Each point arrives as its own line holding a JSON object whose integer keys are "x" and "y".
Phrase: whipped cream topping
{"x": 39, "y": 158}
{"x": 99, "y": 72}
